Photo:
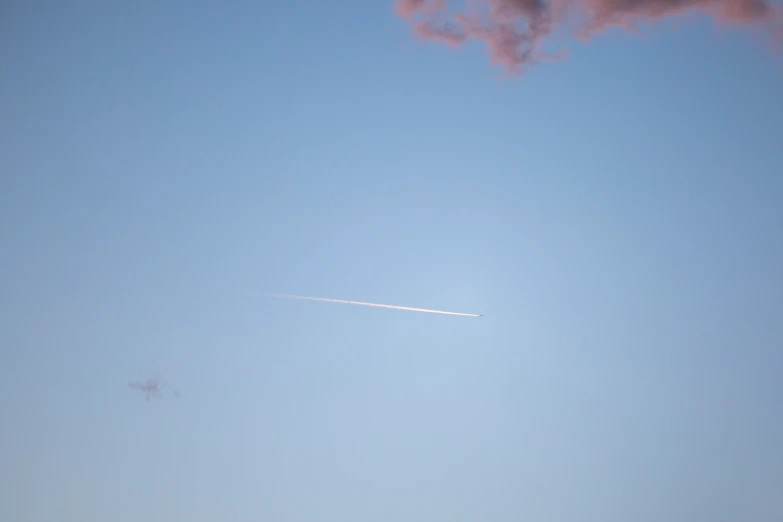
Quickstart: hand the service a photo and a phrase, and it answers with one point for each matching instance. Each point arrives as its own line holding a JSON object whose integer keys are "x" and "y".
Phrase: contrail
{"x": 408, "y": 308}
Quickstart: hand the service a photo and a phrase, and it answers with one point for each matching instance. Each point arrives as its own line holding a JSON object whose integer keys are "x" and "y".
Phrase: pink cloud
{"x": 514, "y": 30}
{"x": 446, "y": 33}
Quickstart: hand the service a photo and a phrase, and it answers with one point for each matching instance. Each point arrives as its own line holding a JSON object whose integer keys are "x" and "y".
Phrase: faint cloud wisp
{"x": 151, "y": 389}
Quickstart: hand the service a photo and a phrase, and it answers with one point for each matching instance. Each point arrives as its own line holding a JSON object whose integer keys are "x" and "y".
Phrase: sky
{"x": 614, "y": 214}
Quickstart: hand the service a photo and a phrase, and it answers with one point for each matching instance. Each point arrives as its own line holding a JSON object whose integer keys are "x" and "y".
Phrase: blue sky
{"x": 615, "y": 217}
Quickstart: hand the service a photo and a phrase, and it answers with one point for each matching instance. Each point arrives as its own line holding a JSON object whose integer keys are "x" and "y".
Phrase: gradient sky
{"x": 616, "y": 216}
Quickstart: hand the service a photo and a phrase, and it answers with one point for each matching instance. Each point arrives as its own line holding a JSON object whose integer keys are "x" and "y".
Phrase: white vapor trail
{"x": 408, "y": 308}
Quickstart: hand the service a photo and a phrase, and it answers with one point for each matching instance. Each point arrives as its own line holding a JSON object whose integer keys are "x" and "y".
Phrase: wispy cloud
{"x": 151, "y": 388}
{"x": 514, "y": 30}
